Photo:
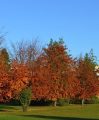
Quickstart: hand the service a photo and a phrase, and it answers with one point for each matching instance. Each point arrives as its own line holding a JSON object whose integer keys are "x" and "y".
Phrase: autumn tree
{"x": 87, "y": 77}
{"x": 73, "y": 84}
{"x": 40, "y": 84}
{"x": 19, "y": 76}
{"x": 23, "y": 66}
{"x": 58, "y": 63}
{"x": 5, "y": 84}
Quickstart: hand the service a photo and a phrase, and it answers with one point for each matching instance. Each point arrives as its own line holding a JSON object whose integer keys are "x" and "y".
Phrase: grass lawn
{"x": 70, "y": 112}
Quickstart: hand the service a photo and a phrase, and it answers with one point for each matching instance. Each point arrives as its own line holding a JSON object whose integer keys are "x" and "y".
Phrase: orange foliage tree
{"x": 19, "y": 76}
{"x": 23, "y": 66}
{"x": 58, "y": 65}
{"x": 40, "y": 83}
{"x": 87, "y": 77}
{"x": 5, "y": 83}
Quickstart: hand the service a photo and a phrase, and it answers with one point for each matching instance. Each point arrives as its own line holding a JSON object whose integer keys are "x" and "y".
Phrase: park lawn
{"x": 70, "y": 112}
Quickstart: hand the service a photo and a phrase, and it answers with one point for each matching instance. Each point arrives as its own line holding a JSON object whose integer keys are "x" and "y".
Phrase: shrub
{"x": 95, "y": 100}
{"x": 25, "y": 98}
{"x": 62, "y": 102}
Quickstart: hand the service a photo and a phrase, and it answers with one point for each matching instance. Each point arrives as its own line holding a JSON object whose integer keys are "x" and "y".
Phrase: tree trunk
{"x": 82, "y": 102}
{"x": 24, "y": 107}
{"x": 54, "y": 103}
{"x": 68, "y": 101}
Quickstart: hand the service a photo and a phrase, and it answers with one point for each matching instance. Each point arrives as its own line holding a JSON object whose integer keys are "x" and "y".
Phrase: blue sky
{"x": 76, "y": 21}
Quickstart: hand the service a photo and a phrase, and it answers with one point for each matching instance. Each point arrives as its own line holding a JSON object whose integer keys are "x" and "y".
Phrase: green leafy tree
{"x": 25, "y": 98}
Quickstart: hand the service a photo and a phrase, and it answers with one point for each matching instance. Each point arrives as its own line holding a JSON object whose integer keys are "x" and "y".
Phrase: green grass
{"x": 70, "y": 112}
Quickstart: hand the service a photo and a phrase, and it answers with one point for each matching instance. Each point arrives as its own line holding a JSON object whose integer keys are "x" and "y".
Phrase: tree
{"x": 40, "y": 84}
{"x": 19, "y": 75}
{"x": 73, "y": 84}
{"x": 87, "y": 77}
{"x": 5, "y": 83}
{"x": 58, "y": 62}
{"x": 23, "y": 65}
{"x": 25, "y": 98}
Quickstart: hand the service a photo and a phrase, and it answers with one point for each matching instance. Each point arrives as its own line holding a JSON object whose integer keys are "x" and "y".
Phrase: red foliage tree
{"x": 5, "y": 84}
{"x": 58, "y": 64}
{"x": 87, "y": 77}
{"x": 19, "y": 75}
{"x": 40, "y": 83}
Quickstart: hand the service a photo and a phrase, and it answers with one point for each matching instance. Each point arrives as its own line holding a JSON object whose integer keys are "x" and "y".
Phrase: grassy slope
{"x": 71, "y": 112}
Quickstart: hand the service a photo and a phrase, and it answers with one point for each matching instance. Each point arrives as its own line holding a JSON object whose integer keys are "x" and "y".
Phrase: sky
{"x": 76, "y": 21}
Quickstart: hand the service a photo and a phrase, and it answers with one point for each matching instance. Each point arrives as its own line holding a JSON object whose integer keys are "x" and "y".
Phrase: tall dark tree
{"x": 4, "y": 56}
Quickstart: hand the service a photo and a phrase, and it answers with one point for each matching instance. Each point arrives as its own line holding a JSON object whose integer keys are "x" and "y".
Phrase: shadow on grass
{"x": 56, "y": 117}
{"x": 5, "y": 108}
